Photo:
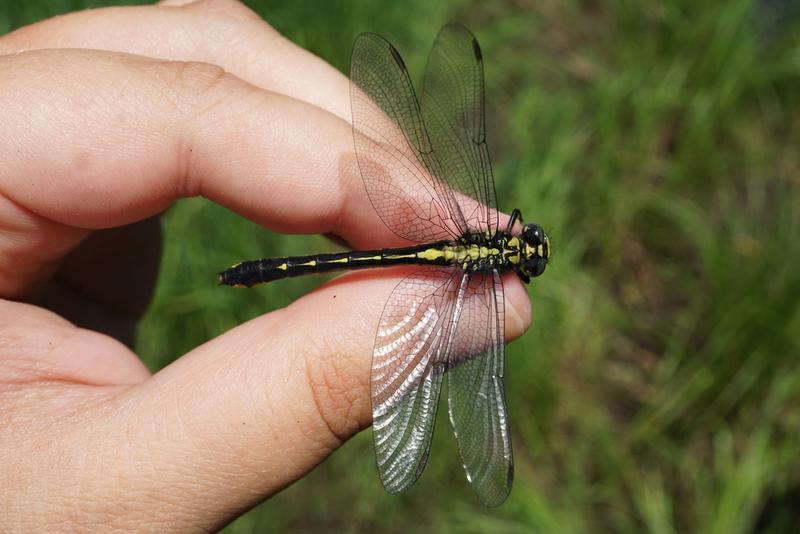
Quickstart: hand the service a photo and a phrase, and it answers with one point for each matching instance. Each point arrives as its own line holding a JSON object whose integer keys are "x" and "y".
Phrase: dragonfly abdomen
{"x": 253, "y": 272}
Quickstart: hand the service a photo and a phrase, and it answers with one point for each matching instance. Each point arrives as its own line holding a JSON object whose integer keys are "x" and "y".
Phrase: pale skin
{"x": 108, "y": 117}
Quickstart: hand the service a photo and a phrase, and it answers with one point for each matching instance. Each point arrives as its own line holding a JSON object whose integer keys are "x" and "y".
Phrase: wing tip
{"x": 476, "y": 49}
{"x": 396, "y": 56}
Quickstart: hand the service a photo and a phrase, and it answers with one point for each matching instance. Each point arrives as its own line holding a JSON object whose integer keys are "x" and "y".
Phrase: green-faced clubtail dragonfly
{"x": 426, "y": 170}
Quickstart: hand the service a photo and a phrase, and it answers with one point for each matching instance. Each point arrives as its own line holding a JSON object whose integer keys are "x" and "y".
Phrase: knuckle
{"x": 196, "y": 78}
{"x": 189, "y": 88}
{"x": 195, "y": 92}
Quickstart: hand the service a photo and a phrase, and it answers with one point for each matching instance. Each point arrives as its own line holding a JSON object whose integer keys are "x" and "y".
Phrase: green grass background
{"x": 658, "y": 389}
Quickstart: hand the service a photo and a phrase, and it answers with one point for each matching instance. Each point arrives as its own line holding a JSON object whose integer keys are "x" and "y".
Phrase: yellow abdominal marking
{"x": 282, "y": 266}
{"x": 460, "y": 254}
{"x": 340, "y": 260}
{"x": 398, "y": 256}
{"x": 433, "y": 254}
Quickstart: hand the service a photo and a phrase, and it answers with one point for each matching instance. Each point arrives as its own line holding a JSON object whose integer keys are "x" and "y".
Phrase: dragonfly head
{"x": 536, "y": 253}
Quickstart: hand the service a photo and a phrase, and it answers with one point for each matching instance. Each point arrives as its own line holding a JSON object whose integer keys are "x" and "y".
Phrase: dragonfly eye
{"x": 536, "y": 266}
{"x": 533, "y": 234}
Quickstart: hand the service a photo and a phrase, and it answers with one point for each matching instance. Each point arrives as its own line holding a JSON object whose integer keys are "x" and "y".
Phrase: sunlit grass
{"x": 659, "y": 386}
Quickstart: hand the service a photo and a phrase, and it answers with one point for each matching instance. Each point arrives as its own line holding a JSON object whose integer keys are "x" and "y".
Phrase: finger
{"x": 176, "y": 3}
{"x": 236, "y": 32}
{"x": 244, "y": 415}
{"x": 222, "y": 32}
{"x": 39, "y": 347}
{"x": 103, "y": 140}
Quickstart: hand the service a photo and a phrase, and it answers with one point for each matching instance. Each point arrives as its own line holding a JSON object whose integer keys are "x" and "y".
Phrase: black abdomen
{"x": 250, "y": 273}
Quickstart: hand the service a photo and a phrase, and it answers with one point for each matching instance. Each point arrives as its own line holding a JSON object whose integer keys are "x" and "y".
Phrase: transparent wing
{"x": 401, "y": 173}
{"x": 414, "y": 335}
{"x": 403, "y": 435}
{"x": 453, "y": 111}
{"x": 476, "y": 395}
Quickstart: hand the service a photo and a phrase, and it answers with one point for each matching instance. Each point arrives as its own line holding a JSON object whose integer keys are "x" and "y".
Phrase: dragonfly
{"x": 426, "y": 170}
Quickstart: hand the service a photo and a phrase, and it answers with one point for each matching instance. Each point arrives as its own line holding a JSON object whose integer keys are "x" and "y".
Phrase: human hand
{"x": 108, "y": 116}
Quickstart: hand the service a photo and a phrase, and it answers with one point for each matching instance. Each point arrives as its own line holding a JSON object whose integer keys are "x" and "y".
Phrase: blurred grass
{"x": 659, "y": 386}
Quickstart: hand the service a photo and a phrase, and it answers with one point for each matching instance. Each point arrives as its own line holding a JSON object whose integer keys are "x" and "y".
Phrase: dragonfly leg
{"x": 516, "y": 214}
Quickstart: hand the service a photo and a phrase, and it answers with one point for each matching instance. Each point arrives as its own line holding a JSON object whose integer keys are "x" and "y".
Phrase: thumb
{"x": 248, "y": 413}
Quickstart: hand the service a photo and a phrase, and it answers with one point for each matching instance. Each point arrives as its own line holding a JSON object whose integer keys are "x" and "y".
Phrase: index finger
{"x": 98, "y": 139}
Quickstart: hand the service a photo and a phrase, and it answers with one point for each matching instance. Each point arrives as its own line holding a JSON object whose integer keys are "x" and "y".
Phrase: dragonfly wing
{"x": 403, "y": 435}
{"x": 394, "y": 153}
{"x": 453, "y": 111}
{"x": 407, "y": 366}
{"x": 476, "y": 394}
{"x": 428, "y": 175}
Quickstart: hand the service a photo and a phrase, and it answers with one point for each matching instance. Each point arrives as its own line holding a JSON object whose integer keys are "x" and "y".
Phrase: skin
{"x": 109, "y": 116}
